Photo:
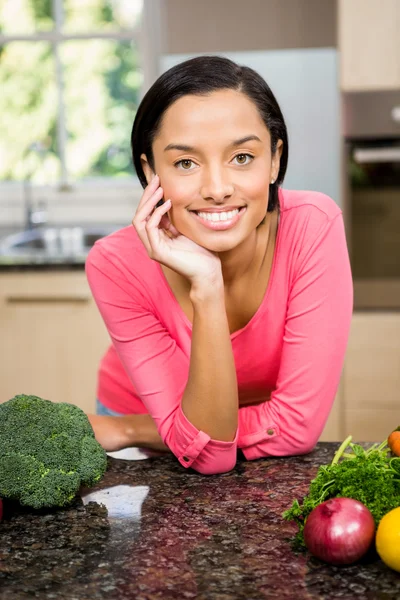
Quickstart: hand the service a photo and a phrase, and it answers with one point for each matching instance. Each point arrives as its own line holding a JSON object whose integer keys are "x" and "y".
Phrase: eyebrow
{"x": 184, "y": 148}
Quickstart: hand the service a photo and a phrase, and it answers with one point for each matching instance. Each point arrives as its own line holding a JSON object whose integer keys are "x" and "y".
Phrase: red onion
{"x": 339, "y": 531}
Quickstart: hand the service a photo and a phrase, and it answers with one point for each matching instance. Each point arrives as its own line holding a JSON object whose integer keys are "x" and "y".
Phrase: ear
{"x": 276, "y": 161}
{"x": 147, "y": 170}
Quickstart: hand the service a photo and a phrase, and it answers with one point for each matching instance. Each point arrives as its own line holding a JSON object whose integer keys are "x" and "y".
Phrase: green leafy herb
{"x": 371, "y": 476}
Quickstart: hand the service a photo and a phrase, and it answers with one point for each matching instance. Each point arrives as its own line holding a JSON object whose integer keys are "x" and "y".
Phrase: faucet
{"x": 34, "y": 215}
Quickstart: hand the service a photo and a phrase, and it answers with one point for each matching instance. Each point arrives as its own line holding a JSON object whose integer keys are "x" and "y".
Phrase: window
{"x": 71, "y": 78}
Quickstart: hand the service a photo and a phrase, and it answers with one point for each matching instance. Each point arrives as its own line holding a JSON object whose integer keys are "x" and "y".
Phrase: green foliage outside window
{"x": 101, "y": 86}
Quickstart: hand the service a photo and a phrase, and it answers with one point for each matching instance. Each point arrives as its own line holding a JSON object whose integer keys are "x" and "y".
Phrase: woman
{"x": 229, "y": 304}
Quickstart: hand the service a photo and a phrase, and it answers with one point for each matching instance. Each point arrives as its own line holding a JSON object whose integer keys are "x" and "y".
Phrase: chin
{"x": 219, "y": 247}
{"x": 217, "y": 242}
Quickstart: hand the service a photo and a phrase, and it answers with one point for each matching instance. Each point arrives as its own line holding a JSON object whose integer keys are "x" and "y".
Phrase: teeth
{"x": 223, "y": 216}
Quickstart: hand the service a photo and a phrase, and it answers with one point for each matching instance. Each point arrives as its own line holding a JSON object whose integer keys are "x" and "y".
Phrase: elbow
{"x": 195, "y": 449}
{"x": 213, "y": 467}
{"x": 305, "y": 446}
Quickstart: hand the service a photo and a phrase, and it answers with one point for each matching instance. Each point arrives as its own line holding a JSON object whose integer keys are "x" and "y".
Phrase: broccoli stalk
{"x": 47, "y": 451}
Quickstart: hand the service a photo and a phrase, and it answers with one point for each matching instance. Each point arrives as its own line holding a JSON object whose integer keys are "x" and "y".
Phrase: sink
{"x": 52, "y": 244}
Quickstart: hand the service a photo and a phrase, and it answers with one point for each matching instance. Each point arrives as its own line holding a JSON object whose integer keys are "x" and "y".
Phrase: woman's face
{"x": 212, "y": 154}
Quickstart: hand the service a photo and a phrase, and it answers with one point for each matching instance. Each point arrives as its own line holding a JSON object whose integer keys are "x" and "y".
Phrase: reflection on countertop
{"x": 121, "y": 501}
{"x": 152, "y": 529}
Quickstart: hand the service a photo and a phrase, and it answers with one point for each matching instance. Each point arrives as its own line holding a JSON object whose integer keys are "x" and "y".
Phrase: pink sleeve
{"x": 317, "y": 327}
{"x": 155, "y": 364}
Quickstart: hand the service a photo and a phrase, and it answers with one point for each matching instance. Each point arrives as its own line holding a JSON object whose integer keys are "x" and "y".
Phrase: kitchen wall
{"x": 234, "y": 25}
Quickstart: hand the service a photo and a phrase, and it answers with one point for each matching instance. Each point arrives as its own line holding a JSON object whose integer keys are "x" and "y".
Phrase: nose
{"x": 216, "y": 185}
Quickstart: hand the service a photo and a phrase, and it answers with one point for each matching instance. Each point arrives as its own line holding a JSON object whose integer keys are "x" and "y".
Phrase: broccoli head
{"x": 47, "y": 451}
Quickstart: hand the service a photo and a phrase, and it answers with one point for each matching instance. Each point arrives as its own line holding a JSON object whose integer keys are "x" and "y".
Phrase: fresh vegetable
{"x": 388, "y": 539}
{"x": 339, "y": 531}
{"x": 1, "y": 509}
{"x": 47, "y": 451}
{"x": 369, "y": 476}
{"x": 394, "y": 441}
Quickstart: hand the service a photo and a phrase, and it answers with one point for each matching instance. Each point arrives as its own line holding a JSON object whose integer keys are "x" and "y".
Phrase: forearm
{"x": 141, "y": 432}
{"x": 210, "y": 399}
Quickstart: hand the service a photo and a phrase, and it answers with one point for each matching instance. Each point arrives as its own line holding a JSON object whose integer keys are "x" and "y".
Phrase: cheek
{"x": 181, "y": 191}
{"x": 256, "y": 189}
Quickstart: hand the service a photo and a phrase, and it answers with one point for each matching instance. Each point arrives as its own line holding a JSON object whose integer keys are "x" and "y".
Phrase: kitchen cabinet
{"x": 52, "y": 337}
{"x": 369, "y": 44}
{"x": 333, "y": 430}
{"x": 371, "y": 378}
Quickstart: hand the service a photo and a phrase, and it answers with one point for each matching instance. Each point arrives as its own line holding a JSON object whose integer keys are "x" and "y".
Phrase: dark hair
{"x": 201, "y": 76}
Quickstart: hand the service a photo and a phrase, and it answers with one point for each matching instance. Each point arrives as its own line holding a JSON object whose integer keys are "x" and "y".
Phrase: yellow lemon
{"x": 388, "y": 539}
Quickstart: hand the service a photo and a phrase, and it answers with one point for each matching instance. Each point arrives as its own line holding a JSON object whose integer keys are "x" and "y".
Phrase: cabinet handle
{"x": 47, "y": 299}
{"x": 376, "y": 155}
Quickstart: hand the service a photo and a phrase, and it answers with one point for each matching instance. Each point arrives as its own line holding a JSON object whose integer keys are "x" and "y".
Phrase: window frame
{"x": 149, "y": 39}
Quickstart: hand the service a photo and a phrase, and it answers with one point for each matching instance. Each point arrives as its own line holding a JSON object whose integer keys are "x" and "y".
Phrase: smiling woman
{"x": 229, "y": 300}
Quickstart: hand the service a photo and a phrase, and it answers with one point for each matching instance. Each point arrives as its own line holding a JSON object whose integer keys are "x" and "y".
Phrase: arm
{"x": 192, "y": 402}
{"x": 210, "y": 400}
{"x": 316, "y": 333}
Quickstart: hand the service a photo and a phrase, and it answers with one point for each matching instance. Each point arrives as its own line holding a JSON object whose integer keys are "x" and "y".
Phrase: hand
{"x": 109, "y": 431}
{"x": 127, "y": 431}
{"x": 166, "y": 245}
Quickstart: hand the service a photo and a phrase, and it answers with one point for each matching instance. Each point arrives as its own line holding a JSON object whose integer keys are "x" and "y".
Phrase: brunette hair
{"x": 201, "y": 76}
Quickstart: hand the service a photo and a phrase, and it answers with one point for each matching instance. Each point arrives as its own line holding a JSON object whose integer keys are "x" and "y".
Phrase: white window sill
{"x": 107, "y": 201}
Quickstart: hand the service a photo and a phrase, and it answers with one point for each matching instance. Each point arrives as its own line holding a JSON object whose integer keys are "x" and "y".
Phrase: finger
{"x": 149, "y": 190}
{"x": 167, "y": 225}
{"x": 172, "y": 229}
{"x": 169, "y": 234}
{"x": 144, "y": 210}
{"x": 142, "y": 216}
{"x": 152, "y": 226}
{"x": 143, "y": 230}
{"x": 154, "y": 219}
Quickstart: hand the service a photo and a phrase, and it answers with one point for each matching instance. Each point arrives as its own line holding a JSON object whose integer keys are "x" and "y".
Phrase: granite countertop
{"x": 154, "y": 530}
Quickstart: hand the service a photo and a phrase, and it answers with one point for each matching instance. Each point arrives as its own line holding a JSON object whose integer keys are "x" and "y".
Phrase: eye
{"x": 184, "y": 164}
{"x": 241, "y": 158}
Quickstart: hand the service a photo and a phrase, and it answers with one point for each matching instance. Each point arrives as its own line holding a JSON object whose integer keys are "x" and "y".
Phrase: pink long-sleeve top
{"x": 294, "y": 345}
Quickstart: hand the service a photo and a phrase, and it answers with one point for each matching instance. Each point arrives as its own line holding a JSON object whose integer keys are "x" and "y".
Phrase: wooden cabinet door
{"x": 52, "y": 337}
{"x": 369, "y": 44}
{"x": 333, "y": 430}
{"x": 372, "y": 376}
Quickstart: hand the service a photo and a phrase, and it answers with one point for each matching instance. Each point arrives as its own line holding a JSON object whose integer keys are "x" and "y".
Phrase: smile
{"x": 219, "y": 221}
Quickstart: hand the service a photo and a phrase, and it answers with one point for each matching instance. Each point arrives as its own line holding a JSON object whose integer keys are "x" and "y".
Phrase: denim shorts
{"x": 103, "y": 410}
